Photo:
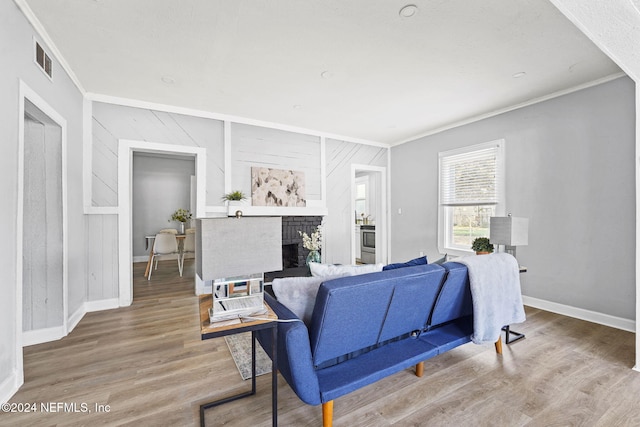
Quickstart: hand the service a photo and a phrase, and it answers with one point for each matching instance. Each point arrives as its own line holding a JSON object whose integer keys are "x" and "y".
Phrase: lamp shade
{"x": 229, "y": 247}
{"x": 509, "y": 230}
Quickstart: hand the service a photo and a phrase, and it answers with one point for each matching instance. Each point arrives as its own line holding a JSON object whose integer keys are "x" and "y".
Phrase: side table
{"x": 507, "y": 329}
{"x": 236, "y": 326}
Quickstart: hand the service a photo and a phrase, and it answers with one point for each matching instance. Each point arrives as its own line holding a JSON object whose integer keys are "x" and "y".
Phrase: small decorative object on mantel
{"x": 313, "y": 243}
{"x": 234, "y": 196}
{"x": 482, "y": 246}
{"x": 181, "y": 216}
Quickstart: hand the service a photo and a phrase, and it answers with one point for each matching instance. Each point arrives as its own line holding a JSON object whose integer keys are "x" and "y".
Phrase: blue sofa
{"x": 370, "y": 326}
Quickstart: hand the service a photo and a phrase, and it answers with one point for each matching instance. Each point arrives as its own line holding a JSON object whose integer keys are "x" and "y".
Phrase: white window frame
{"x": 444, "y": 221}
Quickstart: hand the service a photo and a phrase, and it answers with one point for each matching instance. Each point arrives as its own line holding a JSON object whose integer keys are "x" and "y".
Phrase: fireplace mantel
{"x": 248, "y": 210}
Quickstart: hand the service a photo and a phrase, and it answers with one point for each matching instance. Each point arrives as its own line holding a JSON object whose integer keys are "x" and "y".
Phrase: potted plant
{"x": 312, "y": 243}
{"x": 482, "y": 246}
{"x": 181, "y": 216}
{"x": 234, "y": 196}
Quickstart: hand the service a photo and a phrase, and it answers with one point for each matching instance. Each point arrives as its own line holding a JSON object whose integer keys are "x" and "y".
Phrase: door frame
{"x": 126, "y": 148}
{"x": 382, "y": 230}
{"x": 53, "y": 333}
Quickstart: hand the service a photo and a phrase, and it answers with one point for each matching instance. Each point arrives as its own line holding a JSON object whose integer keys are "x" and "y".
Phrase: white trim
{"x": 10, "y": 386}
{"x": 225, "y": 117}
{"x": 637, "y": 247}
{"x": 510, "y": 108}
{"x": 75, "y": 318}
{"x": 249, "y": 210}
{"x": 126, "y": 148}
{"x": 39, "y": 336}
{"x": 87, "y": 155}
{"x": 103, "y": 304}
{"x": 581, "y": 313}
{"x": 227, "y": 157}
{"x": 25, "y": 92}
{"x": 382, "y": 255}
{"x": 323, "y": 170}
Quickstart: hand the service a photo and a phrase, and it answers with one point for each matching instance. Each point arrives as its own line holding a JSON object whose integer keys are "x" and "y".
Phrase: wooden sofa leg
{"x": 327, "y": 414}
{"x": 419, "y": 369}
{"x": 499, "y": 345}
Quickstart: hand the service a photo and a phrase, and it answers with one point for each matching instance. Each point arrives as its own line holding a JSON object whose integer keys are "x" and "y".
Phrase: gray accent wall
{"x": 256, "y": 146}
{"x": 114, "y": 122}
{"x": 570, "y": 170}
{"x": 340, "y": 155}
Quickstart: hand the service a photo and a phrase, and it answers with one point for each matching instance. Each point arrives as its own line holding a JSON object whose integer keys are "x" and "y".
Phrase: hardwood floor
{"x": 148, "y": 364}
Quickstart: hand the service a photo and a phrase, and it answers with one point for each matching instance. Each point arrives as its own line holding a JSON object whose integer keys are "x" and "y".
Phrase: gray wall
{"x": 570, "y": 170}
{"x": 114, "y": 122}
{"x": 160, "y": 186}
{"x": 16, "y": 47}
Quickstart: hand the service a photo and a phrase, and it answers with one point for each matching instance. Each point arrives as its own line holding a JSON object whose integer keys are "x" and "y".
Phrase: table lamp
{"x": 509, "y": 231}
{"x": 233, "y": 254}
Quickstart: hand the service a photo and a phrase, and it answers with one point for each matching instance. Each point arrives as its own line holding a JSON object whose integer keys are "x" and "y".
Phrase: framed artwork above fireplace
{"x": 277, "y": 187}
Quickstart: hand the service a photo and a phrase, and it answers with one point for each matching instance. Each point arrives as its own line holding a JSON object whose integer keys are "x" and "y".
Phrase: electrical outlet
{"x": 421, "y": 253}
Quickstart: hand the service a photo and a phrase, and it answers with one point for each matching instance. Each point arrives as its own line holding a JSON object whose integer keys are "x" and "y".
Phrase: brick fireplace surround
{"x": 294, "y": 255}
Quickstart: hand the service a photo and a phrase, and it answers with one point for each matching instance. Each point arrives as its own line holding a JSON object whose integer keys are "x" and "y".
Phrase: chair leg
{"x": 179, "y": 266}
{"x": 151, "y": 269}
{"x": 327, "y": 414}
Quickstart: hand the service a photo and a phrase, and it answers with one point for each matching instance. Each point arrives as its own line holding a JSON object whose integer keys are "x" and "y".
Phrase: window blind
{"x": 470, "y": 178}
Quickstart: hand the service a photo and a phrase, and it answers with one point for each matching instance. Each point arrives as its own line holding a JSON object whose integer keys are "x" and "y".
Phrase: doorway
{"x": 126, "y": 150}
{"x": 41, "y": 223}
{"x": 369, "y": 207}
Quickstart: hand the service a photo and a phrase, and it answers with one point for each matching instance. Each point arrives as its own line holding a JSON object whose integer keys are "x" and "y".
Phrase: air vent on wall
{"x": 43, "y": 60}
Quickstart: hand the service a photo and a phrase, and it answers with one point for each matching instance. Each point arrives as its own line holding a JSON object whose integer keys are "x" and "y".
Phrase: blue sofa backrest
{"x": 358, "y": 312}
{"x": 454, "y": 300}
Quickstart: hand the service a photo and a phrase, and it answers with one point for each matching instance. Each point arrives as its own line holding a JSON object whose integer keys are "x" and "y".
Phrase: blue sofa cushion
{"x": 454, "y": 300}
{"x": 355, "y": 313}
{"x": 416, "y": 261}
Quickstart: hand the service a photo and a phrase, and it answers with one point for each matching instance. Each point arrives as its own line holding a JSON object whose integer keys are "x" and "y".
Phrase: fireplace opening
{"x": 290, "y": 256}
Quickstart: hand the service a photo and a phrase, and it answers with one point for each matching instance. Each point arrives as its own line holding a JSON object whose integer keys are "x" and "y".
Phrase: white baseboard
{"x": 10, "y": 386}
{"x": 103, "y": 304}
{"x": 39, "y": 336}
{"x": 52, "y": 334}
{"x": 75, "y": 318}
{"x": 582, "y": 314}
{"x": 142, "y": 258}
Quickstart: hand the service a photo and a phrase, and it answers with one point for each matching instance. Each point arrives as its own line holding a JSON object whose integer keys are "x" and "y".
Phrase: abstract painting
{"x": 277, "y": 187}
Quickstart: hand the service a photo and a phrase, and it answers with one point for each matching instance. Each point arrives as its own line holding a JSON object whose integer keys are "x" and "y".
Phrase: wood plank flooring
{"x": 148, "y": 364}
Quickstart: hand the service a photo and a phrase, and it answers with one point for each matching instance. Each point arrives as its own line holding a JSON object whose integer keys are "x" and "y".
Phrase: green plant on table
{"x": 181, "y": 215}
{"x": 482, "y": 244}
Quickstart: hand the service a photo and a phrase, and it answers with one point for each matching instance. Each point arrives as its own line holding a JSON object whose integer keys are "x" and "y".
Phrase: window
{"x": 471, "y": 191}
{"x": 362, "y": 199}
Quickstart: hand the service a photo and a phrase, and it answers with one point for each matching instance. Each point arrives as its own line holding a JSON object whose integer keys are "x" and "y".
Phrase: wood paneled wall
{"x": 337, "y": 228}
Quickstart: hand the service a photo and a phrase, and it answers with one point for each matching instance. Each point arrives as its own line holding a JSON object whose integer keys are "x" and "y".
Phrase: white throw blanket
{"x": 497, "y": 299}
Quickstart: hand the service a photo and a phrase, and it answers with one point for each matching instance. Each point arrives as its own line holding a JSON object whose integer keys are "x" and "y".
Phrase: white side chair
{"x": 189, "y": 246}
{"x": 165, "y": 246}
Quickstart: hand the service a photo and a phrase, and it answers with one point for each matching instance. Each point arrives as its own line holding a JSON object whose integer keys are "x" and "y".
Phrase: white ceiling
{"x": 354, "y": 68}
